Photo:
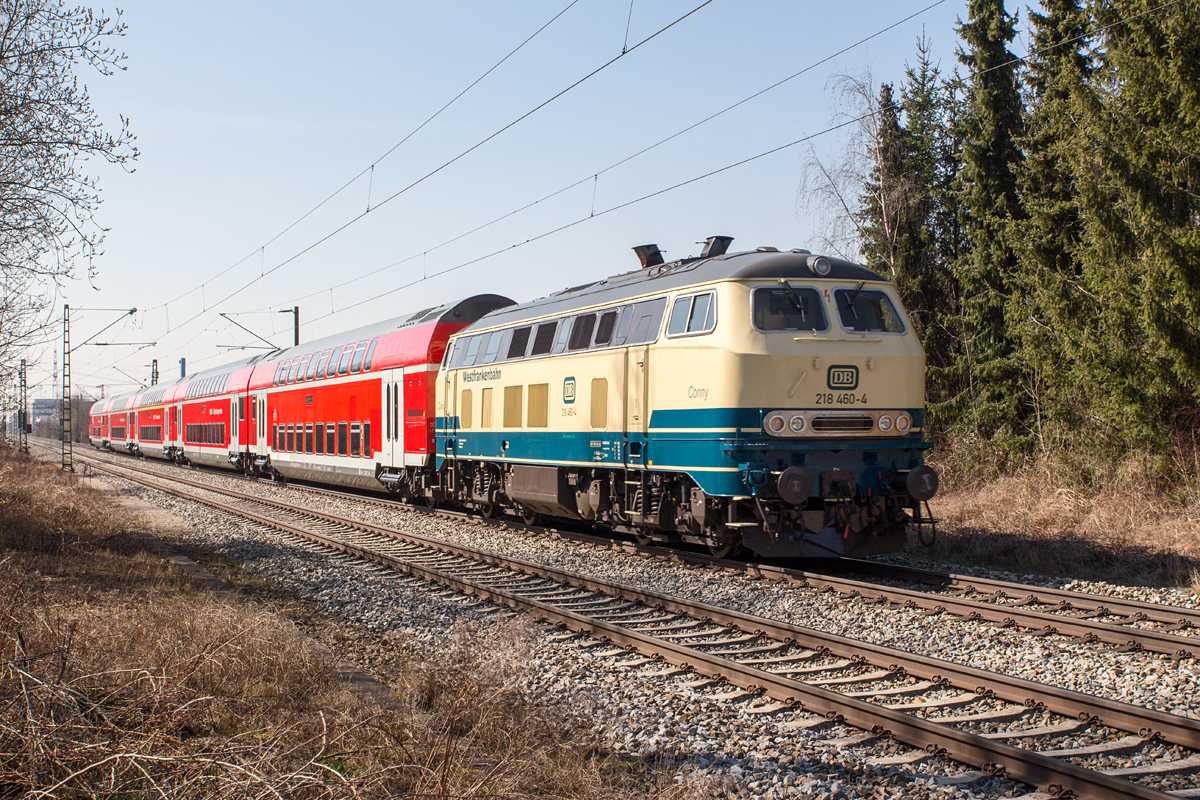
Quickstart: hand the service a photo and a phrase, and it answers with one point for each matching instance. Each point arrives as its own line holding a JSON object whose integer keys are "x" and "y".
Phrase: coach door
{"x": 392, "y": 402}
{"x": 260, "y": 427}
{"x": 637, "y": 370}
{"x": 235, "y": 423}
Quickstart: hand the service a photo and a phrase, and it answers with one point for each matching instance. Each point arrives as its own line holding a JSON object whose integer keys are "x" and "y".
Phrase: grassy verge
{"x": 119, "y": 678}
{"x": 1059, "y": 517}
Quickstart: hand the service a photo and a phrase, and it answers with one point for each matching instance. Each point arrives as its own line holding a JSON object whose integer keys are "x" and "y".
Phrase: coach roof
{"x": 764, "y": 264}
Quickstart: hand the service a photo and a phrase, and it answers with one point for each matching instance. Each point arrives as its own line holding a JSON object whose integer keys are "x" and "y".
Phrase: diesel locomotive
{"x": 766, "y": 400}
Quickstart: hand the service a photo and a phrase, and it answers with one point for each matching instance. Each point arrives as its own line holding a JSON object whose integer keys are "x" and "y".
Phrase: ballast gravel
{"x": 663, "y": 716}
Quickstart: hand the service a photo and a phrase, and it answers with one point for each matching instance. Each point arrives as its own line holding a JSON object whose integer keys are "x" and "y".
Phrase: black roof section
{"x": 761, "y": 264}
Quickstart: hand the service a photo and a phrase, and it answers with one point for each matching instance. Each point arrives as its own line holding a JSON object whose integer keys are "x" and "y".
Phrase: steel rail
{"x": 1149, "y": 723}
{"x": 1134, "y": 609}
{"x": 1041, "y": 622}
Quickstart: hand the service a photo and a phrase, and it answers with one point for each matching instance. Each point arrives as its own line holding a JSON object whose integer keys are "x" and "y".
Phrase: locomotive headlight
{"x": 776, "y": 423}
{"x": 903, "y": 423}
{"x": 820, "y": 265}
{"x": 796, "y": 423}
{"x": 885, "y": 423}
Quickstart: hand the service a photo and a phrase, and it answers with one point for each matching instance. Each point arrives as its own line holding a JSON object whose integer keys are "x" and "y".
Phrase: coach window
{"x": 274, "y": 378}
{"x": 291, "y": 377}
{"x": 312, "y": 367}
{"x": 319, "y": 438}
{"x": 359, "y": 352}
{"x": 321, "y": 365}
{"x": 370, "y": 355}
{"x": 331, "y": 370}
{"x": 355, "y": 439}
{"x": 304, "y": 368}
{"x": 344, "y": 364}
{"x": 604, "y": 330}
{"x": 308, "y": 438}
{"x": 275, "y": 438}
{"x": 291, "y": 438}
{"x": 519, "y": 344}
{"x": 367, "y": 451}
{"x": 464, "y": 410}
{"x": 543, "y": 342}
{"x": 581, "y": 332}
{"x": 341, "y": 438}
{"x": 472, "y": 351}
{"x": 330, "y": 439}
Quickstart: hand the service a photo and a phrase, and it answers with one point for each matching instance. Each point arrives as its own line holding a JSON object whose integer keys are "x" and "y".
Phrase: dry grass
{"x": 118, "y": 678}
{"x": 1089, "y": 521}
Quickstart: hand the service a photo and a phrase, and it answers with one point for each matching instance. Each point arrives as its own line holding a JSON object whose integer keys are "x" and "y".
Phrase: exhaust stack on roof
{"x": 716, "y": 246}
{"x": 649, "y": 255}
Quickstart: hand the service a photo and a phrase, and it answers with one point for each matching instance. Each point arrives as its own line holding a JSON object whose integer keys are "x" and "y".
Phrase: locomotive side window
{"x": 867, "y": 312}
{"x": 581, "y": 332}
{"x": 604, "y": 330}
{"x": 464, "y": 411}
{"x": 647, "y": 320}
{"x": 472, "y": 350}
{"x": 519, "y": 343}
{"x": 563, "y": 333}
{"x": 331, "y": 370}
{"x": 544, "y": 341}
{"x": 623, "y": 325}
{"x": 493, "y": 348}
{"x": 370, "y": 355}
{"x": 359, "y": 352}
{"x": 319, "y": 438}
{"x": 788, "y": 309}
{"x": 344, "y": 364}
{"x": 693, "y": 314}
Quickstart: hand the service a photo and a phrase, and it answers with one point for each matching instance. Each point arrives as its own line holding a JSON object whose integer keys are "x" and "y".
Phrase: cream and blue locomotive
{"x": 768, "y": 400}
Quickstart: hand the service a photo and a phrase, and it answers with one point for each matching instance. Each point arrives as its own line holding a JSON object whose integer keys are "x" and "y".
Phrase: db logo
{"x": 569, "y": 390}
{"x": 843, "y": 376}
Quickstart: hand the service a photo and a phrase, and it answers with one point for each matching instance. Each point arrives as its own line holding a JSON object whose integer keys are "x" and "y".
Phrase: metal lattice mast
{"x": 65, "y": 414}
{"x": 23, "y": 414}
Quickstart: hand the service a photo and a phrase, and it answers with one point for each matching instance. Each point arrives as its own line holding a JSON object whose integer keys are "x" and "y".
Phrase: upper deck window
{"x": 867, "y": 311}
{"x": 788, "y": 309}
{"x": 331, "y": 368}
{"x": 370, "y": 355}
{"x": 344, "y": 364}
{"x": 359, "y": 352}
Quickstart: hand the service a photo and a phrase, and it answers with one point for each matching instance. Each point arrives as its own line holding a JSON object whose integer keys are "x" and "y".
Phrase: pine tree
{"x": 987, "y": 273}
{"x": 1055, "y": 312}
{"x": 1141, "y": 204}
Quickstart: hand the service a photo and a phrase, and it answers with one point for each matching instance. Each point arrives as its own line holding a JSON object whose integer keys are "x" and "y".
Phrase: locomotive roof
{"x": 762, "y": 264}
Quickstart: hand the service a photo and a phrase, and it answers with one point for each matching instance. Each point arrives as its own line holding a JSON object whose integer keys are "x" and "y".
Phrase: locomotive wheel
{"x": 488, "y": 510}
{"x": 724, "y": 550}
{"x": 530, "y": 518}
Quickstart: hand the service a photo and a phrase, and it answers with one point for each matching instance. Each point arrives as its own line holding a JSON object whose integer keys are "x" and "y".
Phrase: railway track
{"x": 925, "y": 703}
{"x": 1128, "y": 625}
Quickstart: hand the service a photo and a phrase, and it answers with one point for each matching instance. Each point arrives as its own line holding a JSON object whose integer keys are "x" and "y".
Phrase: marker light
{"x": 903, "y": 423}
{"x": 775, "y": 424}
{"x": 885, "y": 423}
{"x": 797, "y": 423}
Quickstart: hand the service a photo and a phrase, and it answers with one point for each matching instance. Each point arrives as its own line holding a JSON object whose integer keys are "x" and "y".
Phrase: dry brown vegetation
{"x": 119, "y": 678}
{"x": 1081, "y": 520}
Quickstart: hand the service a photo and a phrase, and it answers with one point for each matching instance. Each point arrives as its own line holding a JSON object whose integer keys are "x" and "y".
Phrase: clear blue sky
{"x": 250, "y": 114}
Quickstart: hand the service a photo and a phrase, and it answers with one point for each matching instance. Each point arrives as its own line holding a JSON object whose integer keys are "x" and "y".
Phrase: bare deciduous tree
{"x": 49, "y": 137}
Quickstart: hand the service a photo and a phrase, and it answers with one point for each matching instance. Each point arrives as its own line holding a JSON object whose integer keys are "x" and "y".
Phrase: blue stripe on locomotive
{"x": 697, "y": 442}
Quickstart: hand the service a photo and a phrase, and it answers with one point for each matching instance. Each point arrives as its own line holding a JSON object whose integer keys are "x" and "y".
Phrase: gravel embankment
{"x": 668, "y": 717}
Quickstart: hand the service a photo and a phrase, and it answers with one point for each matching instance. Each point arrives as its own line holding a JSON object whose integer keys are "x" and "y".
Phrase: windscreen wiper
{"x": 797, "y": 302}
{"x": 854, "y": 296}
